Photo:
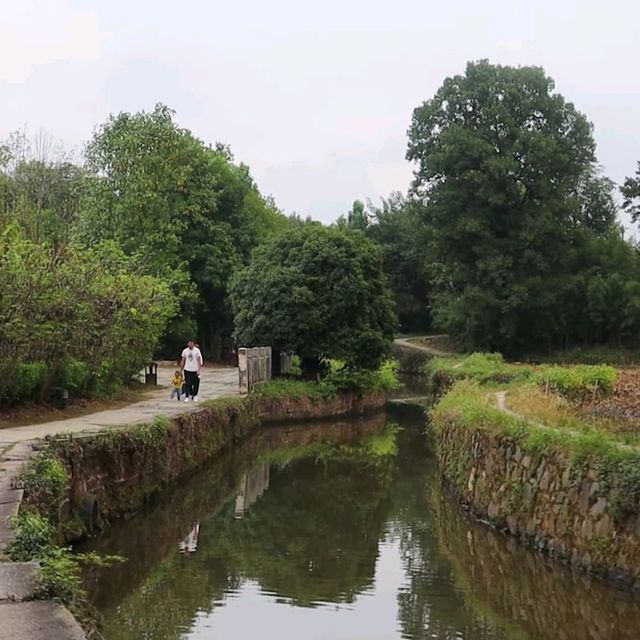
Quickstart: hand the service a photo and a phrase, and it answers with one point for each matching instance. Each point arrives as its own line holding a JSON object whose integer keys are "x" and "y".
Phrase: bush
{"x": 339, "y": 378}
{"x": 60, "y": 577}
{"x": 75, "y": 376}
{"x": 105, "y": 381}
{"x": 28, "y": 382}
{"x": 387, "y": 375}
{"x": 33, "y": 537}
{"x": 90, "y": 316}
{"x": 344, "y": 378}
{"x": 45, "y": 482}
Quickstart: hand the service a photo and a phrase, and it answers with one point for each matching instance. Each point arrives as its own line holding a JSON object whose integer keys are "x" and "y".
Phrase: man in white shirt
{"x": 190, "y": 365}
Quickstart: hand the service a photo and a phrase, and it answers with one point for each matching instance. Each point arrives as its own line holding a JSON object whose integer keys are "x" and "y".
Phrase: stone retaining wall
{"x": 526, "y": 594}
{"x": 578, "y": 513}
{"x": 111, "y": 473}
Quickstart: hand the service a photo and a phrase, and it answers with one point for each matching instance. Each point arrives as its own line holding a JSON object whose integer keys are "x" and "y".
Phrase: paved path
{"x": 418, "y": 347}
{"x": 214, "y": 383}
{"x": 43, "y": 620}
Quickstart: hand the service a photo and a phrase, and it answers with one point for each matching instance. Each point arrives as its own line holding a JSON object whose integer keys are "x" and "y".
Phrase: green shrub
{"x": 33, "y": 535}
{"x": 75, "y": 376}
{"x": 339, "y": 378}
{"x": 286, "y": 387}
{"x": 343, "y": 378}
{"x": 578, "y": 380}
{"x": 105, "y": 381}
{"x": 60, "y": 577}
{"x": 387, "y": 376}
{"x": 45, "y": 481}
{"x": 296, "y": 365}
{"x": 27, "y": 382}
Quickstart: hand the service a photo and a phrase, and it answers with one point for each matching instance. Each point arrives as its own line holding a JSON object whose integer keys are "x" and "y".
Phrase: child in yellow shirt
{"x": 177, "y": 383}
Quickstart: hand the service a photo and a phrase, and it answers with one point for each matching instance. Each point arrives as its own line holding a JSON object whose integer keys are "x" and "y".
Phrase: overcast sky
{"x": 316, "y": 99}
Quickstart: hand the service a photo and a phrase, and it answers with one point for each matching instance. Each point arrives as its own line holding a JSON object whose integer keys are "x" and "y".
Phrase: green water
{"x": 337, "y": 531}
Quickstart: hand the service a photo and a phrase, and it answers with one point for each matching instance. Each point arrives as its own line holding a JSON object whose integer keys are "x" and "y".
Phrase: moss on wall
{"x": 113, "y": 472}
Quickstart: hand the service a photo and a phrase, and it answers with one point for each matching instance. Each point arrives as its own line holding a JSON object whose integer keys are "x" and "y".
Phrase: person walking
{"x": 176, "y": 385}
{"x": 190, "y": 364}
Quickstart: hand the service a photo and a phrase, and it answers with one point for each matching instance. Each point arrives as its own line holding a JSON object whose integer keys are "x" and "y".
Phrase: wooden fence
{"x": 254, "y": 367}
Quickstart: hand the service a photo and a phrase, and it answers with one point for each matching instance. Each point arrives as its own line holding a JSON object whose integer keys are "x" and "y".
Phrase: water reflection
{"x": 335, "y": 531}
{"x": 252, "y": 486}
{"x": 527, "y": 593}
{"x": 190, "y": 543}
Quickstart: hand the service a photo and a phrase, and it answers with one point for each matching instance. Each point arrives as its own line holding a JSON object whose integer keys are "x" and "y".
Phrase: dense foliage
{"x": 182, "y": 209}
{"x": 631, "y": 193}
{"x": 508, "y": 240}
{"x": 319, "y": 292}
{"x": 103, "y": 261}
{"x": 520, "y": 228}
{"x": 85, "y": 321}
{"x": 396, "y": 227}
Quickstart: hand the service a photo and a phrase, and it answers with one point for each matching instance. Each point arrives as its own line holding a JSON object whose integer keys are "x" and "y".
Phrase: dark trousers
{"x": 192, "y": 382}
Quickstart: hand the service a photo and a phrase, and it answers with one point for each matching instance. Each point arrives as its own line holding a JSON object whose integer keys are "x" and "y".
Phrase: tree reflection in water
{"x": 304, "y": 517}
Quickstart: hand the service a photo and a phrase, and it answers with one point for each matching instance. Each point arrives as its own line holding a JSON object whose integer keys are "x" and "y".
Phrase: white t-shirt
{"x": 192, "y": 359}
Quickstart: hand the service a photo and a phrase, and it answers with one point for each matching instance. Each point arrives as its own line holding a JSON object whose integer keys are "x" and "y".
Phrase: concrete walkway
{"x": 432, "y": 351}
{"x": 214, "y": 383}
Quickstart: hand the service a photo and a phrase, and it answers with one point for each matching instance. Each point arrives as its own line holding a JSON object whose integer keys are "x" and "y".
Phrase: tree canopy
{"x": 506, "y": 169}
{"x": 396, "y": 226}
{"x": 319, "y": 292}
{"x": 631, "y": 193}
{"x": 183, "y": 209}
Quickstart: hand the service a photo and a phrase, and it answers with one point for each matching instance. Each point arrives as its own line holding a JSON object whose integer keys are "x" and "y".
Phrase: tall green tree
{"x": 501, "y": 160}
{"x": 397, "y": 227}
{"x": 319, "y": 292}
{"x": 356, "y": 218}
{"x": 183, "y": 209}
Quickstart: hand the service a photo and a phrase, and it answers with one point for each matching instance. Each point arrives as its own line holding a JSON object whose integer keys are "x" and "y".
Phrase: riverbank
{"x": 338, "y": 530}
{"x": 74, "y": 484}
{"x": 110, "y": 474}
{"x": 520, "y": 448}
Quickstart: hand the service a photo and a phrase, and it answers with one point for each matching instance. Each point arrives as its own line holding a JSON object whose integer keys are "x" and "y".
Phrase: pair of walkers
{"x": 187, "y": 379}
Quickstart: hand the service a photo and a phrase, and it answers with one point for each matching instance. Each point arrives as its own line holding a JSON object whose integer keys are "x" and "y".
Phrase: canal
{"x": 336, "y": 531}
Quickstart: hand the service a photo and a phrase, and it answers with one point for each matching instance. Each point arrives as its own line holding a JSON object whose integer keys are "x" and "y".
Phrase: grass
{"x": 486, "y": 368}
{"x": 577, "y": 380}
{"x": 490, "y": 369}
{"x": 547, "y": 424}
{"x": 293, "y": 388}
{"x": 339, "y": 379}
{"x": 556, "y": 411}
{"x": 468, "y": 405}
